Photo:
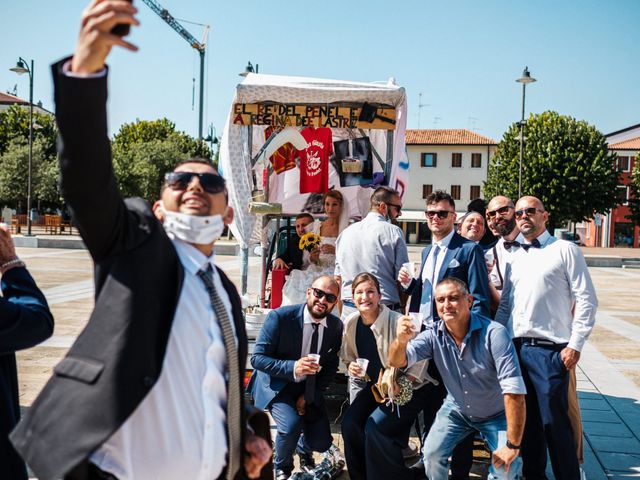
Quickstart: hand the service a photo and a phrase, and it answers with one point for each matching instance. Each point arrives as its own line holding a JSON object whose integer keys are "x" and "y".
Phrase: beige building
{"x": 454, "y": 160}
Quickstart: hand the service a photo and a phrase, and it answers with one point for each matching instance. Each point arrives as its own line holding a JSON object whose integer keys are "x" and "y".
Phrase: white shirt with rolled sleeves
{"x": 179, "y": 429}
{"x": 549, "y": 294}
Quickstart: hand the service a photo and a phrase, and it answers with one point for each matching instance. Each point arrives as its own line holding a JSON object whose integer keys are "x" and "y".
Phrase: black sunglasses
{"x": 501, "y": 211}
{"x": 399, "y": 207}
{"x": 531, "y": 211}
{"x": 320, "y": 294}
{"x": 210, "y": 182}
{"x": 441, "y": 214}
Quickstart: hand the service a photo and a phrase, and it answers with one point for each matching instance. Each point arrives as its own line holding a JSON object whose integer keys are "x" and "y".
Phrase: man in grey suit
{"x": 153, "y": 387}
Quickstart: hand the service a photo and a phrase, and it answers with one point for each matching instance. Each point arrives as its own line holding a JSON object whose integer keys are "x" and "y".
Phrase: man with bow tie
{"x": 501, "y": 221}
{"x": 449, "y": 255}
{"x": 551, "y": 301}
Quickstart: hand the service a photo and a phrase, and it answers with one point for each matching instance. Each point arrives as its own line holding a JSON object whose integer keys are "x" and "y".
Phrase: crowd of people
{"x": 479, "y": 339}
{"x": 488, "y": 334}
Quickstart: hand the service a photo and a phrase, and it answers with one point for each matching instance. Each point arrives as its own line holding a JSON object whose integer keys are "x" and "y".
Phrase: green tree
{"x": 14, "y": 123}
{"x": 144, "y": 150}
{"x": 634, "y": 200}
{"x": 14, "y": 173}
{"x": 566, "y": 164}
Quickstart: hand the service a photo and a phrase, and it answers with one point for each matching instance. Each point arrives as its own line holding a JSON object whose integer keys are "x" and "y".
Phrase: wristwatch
{"x": 512, "y": 446}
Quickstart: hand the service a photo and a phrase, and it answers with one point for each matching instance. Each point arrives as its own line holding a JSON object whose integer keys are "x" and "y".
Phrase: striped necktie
{"x": 234, "y": 399}
{"x": 426, "y": 301}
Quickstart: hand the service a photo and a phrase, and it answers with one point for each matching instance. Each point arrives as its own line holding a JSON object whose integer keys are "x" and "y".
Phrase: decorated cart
{"x": 288, "y": 140}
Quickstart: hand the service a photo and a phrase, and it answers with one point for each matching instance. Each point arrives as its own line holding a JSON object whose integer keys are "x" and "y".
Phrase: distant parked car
{"x": 573, "y": 237}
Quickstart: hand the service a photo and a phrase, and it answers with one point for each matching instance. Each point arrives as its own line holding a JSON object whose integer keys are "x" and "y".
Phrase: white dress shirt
{"x": 502, "y": 257}
{"x": 307, "y": 333}
{"x": 430, "y": 271}
{"x": 541, "y": 288}
{"x": 179, "y": 429}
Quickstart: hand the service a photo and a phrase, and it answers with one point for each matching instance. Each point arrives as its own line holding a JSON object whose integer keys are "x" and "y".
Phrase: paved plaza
{"x": 608, "y": 373}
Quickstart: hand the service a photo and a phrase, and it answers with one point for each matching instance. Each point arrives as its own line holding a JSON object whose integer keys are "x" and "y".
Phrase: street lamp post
{"x": 524, "y": 80}
{"x": 20, "y": 68}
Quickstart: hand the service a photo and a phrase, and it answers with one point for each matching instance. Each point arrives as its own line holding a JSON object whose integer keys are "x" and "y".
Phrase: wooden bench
{"x": 52, "y": 224}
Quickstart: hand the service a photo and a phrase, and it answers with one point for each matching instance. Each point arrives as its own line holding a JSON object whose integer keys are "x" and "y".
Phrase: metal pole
{"x": 524, "y": 86}
{"x": 201, "y": 94}
{"x": 244, "y": 258}
{"x": 30, "y": 149}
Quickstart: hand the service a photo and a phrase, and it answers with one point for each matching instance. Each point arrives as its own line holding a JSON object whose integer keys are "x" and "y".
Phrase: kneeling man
{"x": 290, "y": 382}
{"x": 479, "y": 367}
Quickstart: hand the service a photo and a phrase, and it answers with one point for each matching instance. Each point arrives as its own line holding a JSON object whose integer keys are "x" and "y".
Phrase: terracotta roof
{"x": 631, "y": 144}
{"x": 7, "y": 98}
{"x": 446, "y": 136}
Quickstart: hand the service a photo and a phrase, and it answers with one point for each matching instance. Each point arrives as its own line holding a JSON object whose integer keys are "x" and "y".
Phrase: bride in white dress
{"x": 323, "y": 258}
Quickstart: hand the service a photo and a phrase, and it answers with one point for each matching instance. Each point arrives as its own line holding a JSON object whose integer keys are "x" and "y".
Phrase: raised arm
{"x": 87, "y": 179}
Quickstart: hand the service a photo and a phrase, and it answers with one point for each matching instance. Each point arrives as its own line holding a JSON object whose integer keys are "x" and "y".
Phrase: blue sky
{"x": 462, "y": 55}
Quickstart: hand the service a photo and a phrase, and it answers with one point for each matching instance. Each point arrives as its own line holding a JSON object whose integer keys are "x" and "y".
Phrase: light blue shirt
{"x": 477, "y": 374}
{"x": 375, "y": 246}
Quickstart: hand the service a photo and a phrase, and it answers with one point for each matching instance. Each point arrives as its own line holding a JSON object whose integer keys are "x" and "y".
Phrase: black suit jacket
{"x": 25, "y": 320}
{"x": 117, "y": 358}
{"x": 293, "y": 255}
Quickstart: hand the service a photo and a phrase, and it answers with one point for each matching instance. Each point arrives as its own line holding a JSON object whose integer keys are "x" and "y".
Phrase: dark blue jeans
{"x": 314, "y": 424}
{"x": 548, "y": 425}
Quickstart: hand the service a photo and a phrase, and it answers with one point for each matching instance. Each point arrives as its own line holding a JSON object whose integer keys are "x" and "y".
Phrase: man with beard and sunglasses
{"x": 549, "y": 303}
{"x": 501, "y": 221}
{"x": 153, "y": 386}
{"x": 295, "y": 359}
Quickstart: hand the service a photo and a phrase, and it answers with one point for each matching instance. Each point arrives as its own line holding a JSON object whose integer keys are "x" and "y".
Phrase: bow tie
{"x": 535, "y": 244}
{"x": 508, "y": 245}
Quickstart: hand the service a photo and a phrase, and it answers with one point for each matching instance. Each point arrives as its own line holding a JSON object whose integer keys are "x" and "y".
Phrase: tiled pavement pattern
{"x": 608, "y": 374}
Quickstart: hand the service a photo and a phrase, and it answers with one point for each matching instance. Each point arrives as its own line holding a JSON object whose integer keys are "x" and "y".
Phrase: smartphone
{"x": 122, "y": 29}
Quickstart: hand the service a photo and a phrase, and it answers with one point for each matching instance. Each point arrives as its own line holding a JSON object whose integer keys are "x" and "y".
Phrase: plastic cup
{"x": 411, "y": 268}
{"x": 416, "y": 321}
{"x": 315, "y": 357}
{"x": 363, "y": 363}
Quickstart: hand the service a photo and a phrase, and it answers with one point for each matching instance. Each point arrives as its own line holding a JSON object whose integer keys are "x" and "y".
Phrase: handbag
{"x": 353, "y": 160}
{"x": 392, "y": 386}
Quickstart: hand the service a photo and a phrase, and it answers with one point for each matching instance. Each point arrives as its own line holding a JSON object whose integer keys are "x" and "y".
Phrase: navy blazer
{"x": 279, "y": 345}
{"x": 469, "y": 266}
{"x": 25, "y": 321}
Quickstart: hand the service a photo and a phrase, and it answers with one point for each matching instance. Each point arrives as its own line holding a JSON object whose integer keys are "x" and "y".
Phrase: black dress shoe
{"x": 307, "y": 463}
{"x": 282, "y": 475}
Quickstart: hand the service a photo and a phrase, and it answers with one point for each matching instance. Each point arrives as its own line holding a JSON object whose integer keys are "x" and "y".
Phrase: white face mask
{"x": 192, "y": 228}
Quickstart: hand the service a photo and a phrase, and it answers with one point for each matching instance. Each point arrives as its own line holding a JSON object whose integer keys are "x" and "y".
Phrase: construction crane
{"x": 164, "y": 14}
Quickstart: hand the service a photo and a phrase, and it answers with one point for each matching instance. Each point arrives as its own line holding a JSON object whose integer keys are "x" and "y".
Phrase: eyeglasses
{"x": 320, "y": 294}
{"x": 501, "y": 211}
{"x": 210, "y": 182}
{"x": 399, "y": 207}
{"x": 531, "y": 211}
{"x": 441, "y": 214}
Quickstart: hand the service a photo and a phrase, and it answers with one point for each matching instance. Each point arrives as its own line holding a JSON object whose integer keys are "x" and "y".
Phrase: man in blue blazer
{"x": 449, "y": 255}
{"x": 289, "y": 382}
{"x": 25, "y": 321}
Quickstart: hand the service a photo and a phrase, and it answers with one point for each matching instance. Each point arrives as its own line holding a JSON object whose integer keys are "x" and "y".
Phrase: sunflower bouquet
{"x": 309, "y": 241}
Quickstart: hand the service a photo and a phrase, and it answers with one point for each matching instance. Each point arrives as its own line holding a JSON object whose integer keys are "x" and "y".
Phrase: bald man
{"x": 551, "y": 300}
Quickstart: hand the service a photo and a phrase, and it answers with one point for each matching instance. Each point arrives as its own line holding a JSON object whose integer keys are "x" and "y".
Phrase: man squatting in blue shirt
{"x": 479, "y": 367}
